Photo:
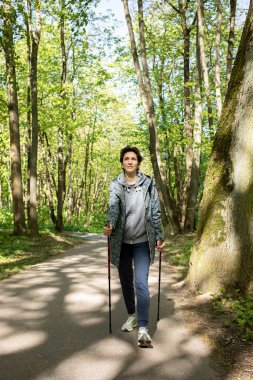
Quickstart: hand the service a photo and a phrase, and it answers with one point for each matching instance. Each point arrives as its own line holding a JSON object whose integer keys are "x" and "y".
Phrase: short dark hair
{"x": 129, "y": 148}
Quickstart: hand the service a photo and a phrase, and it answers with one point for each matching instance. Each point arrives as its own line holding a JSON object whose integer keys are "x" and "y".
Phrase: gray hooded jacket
{"x": 134, "y": 230}
{"x": 134, "y": 214}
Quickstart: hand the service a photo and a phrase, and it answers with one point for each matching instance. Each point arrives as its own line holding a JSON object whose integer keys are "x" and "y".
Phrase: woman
{"x": 135, "y": 229}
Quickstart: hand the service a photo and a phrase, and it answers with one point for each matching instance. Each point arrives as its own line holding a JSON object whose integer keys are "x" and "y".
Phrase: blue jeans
{"x": 135, "y": 279}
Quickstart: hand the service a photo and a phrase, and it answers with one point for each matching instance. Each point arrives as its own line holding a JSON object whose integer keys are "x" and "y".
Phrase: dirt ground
{"x": 230, "y": 351}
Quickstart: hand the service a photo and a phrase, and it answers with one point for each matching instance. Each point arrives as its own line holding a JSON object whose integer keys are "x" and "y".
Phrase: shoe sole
{"x": 145, "y": 344}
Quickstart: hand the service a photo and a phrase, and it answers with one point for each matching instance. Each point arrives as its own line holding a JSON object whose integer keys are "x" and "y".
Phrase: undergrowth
{"x": 238, "y": 309}
{"x": 21, "y": 252}
{"x": 178, "y": 251}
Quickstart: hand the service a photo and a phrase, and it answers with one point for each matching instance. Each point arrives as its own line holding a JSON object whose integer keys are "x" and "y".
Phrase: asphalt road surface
{"x": 54, "y": 325}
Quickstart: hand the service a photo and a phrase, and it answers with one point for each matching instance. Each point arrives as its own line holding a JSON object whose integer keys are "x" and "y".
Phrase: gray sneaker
{"x": 144, "y": 339}
{"x": 130, "y": 324}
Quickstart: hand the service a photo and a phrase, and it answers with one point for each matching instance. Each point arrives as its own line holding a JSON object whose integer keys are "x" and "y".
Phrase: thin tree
{"x": 15, "y": 156}
{"x": 217, "y": 70}
{"x": 61, "y": 188}
{"x": 50, "y": 180}
{"x": 192, "y": 196}
{"x": 27, "y": 17}
{"x": 148, "y": 104}
{"x": 231, "y": 38}
{"x": 201, "y": 34}
{"x": 35, "y": 40}
{"x": 70, "y": 145}
{"x": 186, "y": 29}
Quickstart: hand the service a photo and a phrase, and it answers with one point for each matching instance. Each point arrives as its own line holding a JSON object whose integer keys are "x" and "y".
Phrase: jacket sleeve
{"x": 156, "y": 212}
{"x": 114, "y": 205}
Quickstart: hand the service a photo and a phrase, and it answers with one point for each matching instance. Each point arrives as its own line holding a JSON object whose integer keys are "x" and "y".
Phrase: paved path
{"x": 54, "y": 325}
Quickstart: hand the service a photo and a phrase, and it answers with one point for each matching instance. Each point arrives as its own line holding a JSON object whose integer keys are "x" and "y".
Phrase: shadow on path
{"x": 54, "y": 325}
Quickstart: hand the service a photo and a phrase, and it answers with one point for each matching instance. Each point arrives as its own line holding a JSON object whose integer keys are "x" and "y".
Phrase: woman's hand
{"x": 160, "y": 245}
{"x": 107, "y": 229}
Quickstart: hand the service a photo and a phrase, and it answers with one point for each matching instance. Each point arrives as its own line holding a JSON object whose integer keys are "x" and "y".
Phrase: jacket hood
{"x": 140, "y": 179}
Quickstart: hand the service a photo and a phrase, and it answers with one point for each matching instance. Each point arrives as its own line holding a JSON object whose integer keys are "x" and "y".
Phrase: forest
{"x": 177, "y": 85}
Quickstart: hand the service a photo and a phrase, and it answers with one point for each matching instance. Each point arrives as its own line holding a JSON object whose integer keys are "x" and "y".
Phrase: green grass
{"x": 178, "y": 251}
{"x": 238, "y": 308}
{"x": 97, "y": 228}
{"x": 21, "y": 252}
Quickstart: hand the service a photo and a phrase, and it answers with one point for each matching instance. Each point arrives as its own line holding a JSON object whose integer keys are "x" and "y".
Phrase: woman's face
{"x": 130, "y": 163}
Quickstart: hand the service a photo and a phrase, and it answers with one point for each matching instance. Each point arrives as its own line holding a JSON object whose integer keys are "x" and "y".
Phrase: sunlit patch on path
{"x": 54, "y": 325}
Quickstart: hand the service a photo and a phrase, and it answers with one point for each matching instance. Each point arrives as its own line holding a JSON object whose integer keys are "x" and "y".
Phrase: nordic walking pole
{"x": 109, "y": 278}
{"x": 159, "y": 285}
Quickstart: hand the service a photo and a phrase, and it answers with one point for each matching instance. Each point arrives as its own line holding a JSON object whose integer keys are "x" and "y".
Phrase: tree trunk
{"x": 70, "y": 187}
{"x": 9, "y": 197}
{"x": 148, "y": 104}
{"x": 61, "y": 167}
{"x": 49, "y": 186}
{"x": 15, "y": 156}
{"x": 222, "y": 256}
{"x": 82, "y": 186}
{"x": 60, "y": 188}
{"x": 70, "y": 149}
{"x": 27, "y": 16}
{"x": 1, "y": 195}
{"x": 35, "y": 38}
{"x": 166, "y": 225}
{"x": 178, "y": 178}
{"x": 197, "y": 132}
{"x": 217, "y": 59}
{"x": 187, "y": 108}
{"x": 231, "y": 38}
{"x": 200, "y": 10}
{"x": 51, "y": 160}
{"x": 88, "y": 184}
